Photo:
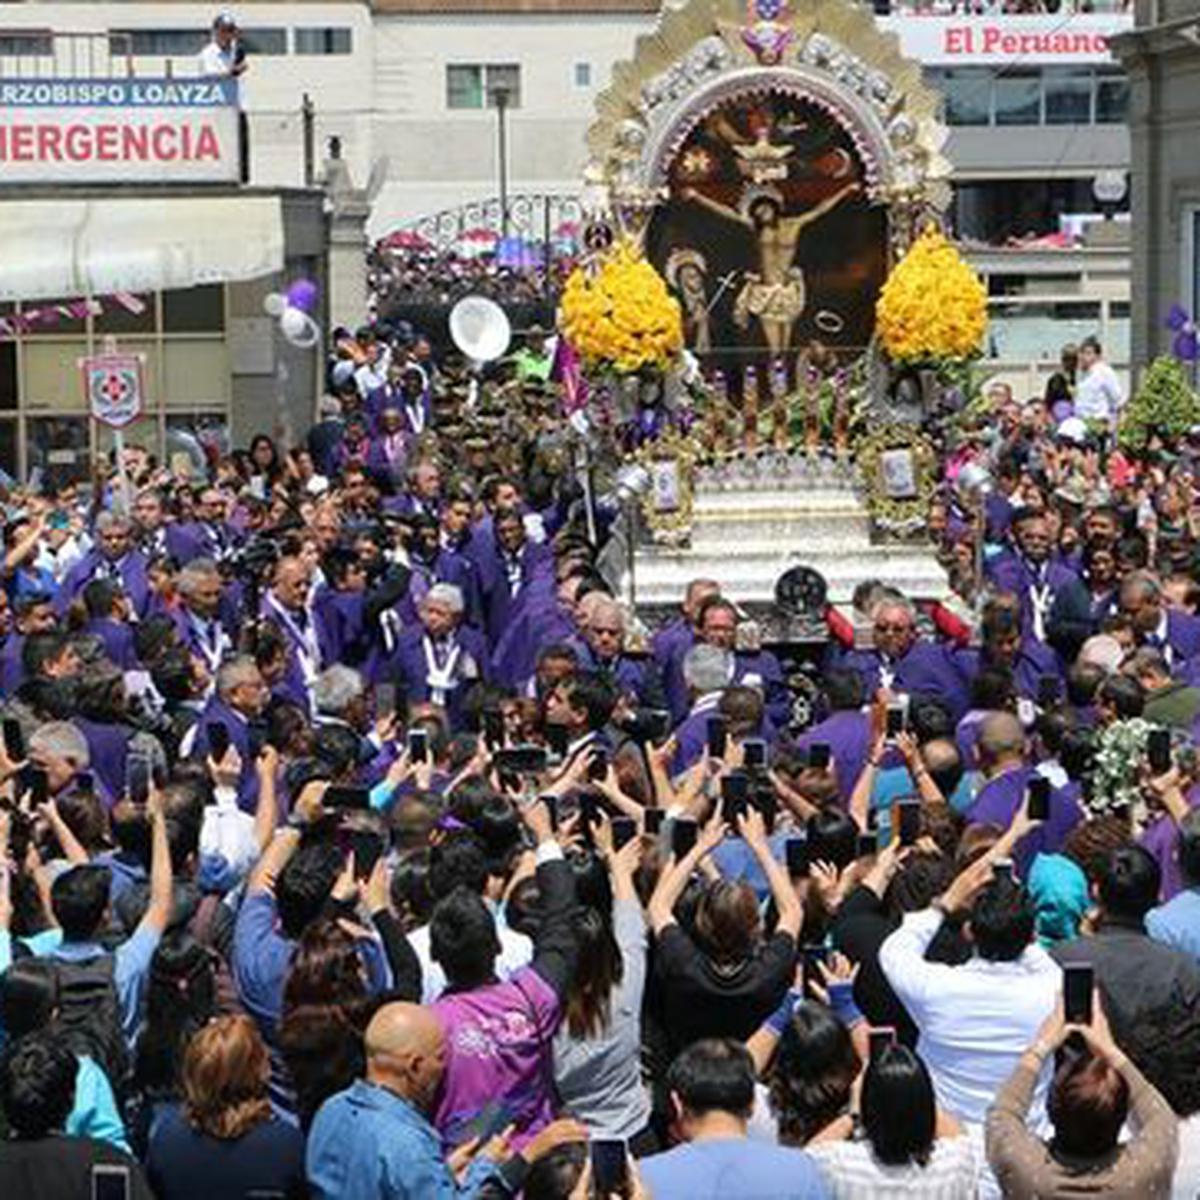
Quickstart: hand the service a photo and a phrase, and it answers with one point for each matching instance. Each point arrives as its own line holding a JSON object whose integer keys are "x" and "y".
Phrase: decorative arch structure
{"x": 825, "y": 53}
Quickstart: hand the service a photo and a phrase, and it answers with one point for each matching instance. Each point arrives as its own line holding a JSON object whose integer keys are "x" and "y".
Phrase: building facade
{"x": 1035, "y": 103}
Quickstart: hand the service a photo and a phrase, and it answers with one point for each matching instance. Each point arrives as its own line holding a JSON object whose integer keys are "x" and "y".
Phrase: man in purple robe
{"x": 1002, "y": 756}
{"x": 708, "y": 671}
{"x": 210, "y": 535}
{"x": 1006, "y": 645}
{"x": 240, "y": 698}
{"x": 1174, "y": 634}
{"x": 431, "y": 563}
{"x": 1029, "y": 573}
{"x": 198, "y": 617}
{"x": 544, "y": 615}
{"x": 287, "y": 606}
{"x": 387, "y": 455}
{"x": 846, "y": 730}
{"x": 113, "y": 558}
{"x": 717, "y": 622}
{"x": 671, "y": 644}
{"x": 159, "y": 538}
{"x": 635, "y": 683}
{"x": 903, "y": 664}
{"x": 108, "y": 614}
{"x": 507, "y": 567}
{"x": 440, "y": 660}
{"x": 33, "y": 614}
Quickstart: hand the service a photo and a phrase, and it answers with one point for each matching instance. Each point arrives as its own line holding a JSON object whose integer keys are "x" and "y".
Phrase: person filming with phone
{"x": 1095, "y": 1095}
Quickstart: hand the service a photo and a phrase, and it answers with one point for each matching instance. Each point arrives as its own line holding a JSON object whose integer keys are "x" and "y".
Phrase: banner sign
{"x": 119, "y": 130}
{"x": 113, "y": 386}
{"x": 1009, "y": 41}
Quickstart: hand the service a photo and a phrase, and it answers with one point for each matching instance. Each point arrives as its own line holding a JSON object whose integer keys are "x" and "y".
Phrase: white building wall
{"x": 441, "y": 157}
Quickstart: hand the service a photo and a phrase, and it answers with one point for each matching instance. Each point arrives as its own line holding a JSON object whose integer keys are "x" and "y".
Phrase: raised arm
{"x": 717, "y": 208}
{"x": 754, "y": 832}
{"x": 158, "y": 911}
{"x": 819, "y": 210}
{"x": 661, "y": 910}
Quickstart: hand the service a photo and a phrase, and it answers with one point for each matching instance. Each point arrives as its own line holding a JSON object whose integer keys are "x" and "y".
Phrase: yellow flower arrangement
{"x": 933, "y": 306}
{"x": 622, "y": 316}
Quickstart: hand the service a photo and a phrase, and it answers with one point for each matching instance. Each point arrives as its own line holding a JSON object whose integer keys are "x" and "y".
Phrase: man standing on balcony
{"x": 1098, "y": 393}
{"x": 224, "y": 55}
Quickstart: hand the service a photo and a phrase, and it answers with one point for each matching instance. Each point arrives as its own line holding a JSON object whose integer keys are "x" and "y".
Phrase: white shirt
{"x": 976, "y": 1020}
{"x": 516, "y": 951}
{"x": 1098, "y": 394}
{"x": 229, "y": 832}
{"x": 215, "y": 61}
{"x": 853, "y": 1173}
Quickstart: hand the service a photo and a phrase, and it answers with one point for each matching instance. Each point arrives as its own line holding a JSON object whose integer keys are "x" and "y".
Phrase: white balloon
{"x": 274, "y": 304}
{"x": 299, "y": 328}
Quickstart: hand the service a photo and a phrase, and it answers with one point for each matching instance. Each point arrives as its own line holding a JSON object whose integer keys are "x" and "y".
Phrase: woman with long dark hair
{"x": 181, "y": 996}
{"x": 899, "y": 1144}
{"x": 326, "y": 1008}
{"x": 596, "y": 1050}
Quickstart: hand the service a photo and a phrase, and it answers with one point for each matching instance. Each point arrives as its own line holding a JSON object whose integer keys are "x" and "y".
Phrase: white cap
{"x": 1073, "y": 429}
{"x": 225, "y": 19}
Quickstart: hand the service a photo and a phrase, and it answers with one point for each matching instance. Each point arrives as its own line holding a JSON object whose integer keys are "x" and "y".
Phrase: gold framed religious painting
{"x": 899, "y": 470}
{"x": 670, "y": 461}
{"x": 767, "y": 234}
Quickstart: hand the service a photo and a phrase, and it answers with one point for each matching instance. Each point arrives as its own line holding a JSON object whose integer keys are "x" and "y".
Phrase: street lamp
{"x": 500, "y": 100}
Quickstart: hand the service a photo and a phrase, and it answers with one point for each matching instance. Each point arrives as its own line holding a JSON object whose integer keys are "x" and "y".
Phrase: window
{"x": 337, "y": 40}
{"x": 265, "y": 41}
{"x": 583, "y": 74}
{"x": 1068, "y": 96}
{"x": 166, "y": 42}
{"x": 472, "y": 85}
{"x": 1019, "y": 98}
{"x": 194, "y": 310}
{"x": 16, "y": 44}
{"x": 968, "y": 93}
{"x": 1112, "y": 99}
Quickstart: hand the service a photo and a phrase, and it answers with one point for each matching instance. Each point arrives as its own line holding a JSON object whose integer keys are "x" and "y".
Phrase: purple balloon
{"x": 302, "y": 295}
{"x": 1185, "y": 347}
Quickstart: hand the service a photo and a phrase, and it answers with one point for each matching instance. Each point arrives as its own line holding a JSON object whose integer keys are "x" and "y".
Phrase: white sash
{"x": 307, "y": 647}
{"x": 1041, "y": 597}
{"x": 887, "y": 673}
{"x": 416, "y": 417}
{"x": 440, "y": 679}
{"x": 212, "y": 650}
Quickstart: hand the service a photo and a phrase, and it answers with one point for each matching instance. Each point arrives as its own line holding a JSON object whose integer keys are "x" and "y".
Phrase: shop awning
{"x": 69, "y": 248}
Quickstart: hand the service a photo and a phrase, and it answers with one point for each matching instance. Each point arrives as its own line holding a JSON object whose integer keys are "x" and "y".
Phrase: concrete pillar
{"x": 349, "y": 209}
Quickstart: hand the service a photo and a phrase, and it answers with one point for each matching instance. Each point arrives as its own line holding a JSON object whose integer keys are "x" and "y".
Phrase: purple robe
{"x": 537, "y": 621}
{"x": 130, "y": 573}
{"x": 343, "y": 617}
{"x": 761, "y": 671}
{"x": 1034, "y": 659}
{"x": 670, "y": 647}
{"x": 848, "y": 735}
{"x": 1161, "y": 839}
{"x": 1012, "y": 573}
{"x": 449, "y": 567}
{"x": 499, "y": 598}
{"x": 202, "y": 539}
{"x": 926, "y": 670}
{"x": 411, "y": 671}
{"x": 300, "y": 657}
{"x": 998, "y": 800}
{"x": 242, "y": 740}
{"x": 209, "y": 641}
{"x": 636, "y": 678}
{"x": 108, "y": 749}
{"x": 118, "y": 641}
{"x": 12, "y": 669}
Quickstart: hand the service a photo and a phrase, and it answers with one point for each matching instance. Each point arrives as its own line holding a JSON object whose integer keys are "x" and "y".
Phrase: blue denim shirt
{"x": 368, "y": 1144}
{"x": 1177, "y": 923}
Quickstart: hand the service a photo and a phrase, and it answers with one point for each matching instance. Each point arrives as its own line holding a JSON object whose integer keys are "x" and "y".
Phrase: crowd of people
{"x": 352, "y": 847}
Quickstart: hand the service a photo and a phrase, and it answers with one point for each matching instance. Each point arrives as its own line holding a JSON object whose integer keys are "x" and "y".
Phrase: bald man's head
{"x": 406, "y": 1052}
{"x": 1001, "y": 741}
